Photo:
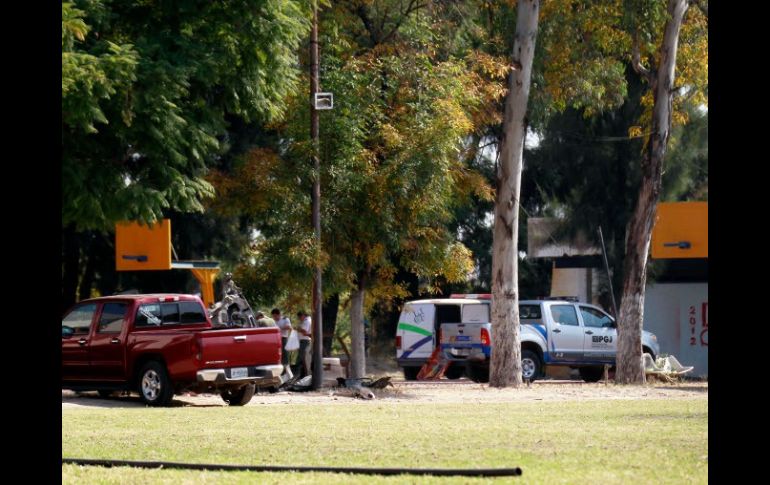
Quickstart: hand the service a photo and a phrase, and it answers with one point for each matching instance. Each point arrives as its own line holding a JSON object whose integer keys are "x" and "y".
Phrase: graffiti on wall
{"x": 699, "y": 334}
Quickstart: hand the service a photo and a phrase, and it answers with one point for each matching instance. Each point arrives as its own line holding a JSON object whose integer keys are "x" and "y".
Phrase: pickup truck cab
{"x": 552, "y": 332}
{"x": 161, "y": 344}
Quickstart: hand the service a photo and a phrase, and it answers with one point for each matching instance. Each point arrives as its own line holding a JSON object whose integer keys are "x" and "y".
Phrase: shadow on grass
{"x": 93, "y": 400}
{"x": 703, "y": 389}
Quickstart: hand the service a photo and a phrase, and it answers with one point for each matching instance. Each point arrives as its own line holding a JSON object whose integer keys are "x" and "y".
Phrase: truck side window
{"x": 169, "y": 313}
{"x": 79, "y": 319}
{"x": 192, "y": 312}
{"x": 564, "y": 314}
{"x": 148, "y": 315}
{"x": 594, "y": 318}
{"x": 111, "y": 320}
{"x": 530, "y": 314}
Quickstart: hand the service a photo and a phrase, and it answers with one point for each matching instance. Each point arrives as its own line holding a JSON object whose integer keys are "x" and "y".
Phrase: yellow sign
{"x": 139, "y": 247}
{"x": 681, "y": 230}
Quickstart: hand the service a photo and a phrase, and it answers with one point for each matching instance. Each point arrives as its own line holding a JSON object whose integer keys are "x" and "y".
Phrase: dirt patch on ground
{"x": 443, "y": 391}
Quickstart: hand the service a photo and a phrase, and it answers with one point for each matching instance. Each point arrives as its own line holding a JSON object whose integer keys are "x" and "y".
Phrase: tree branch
{"x": 385, "y": 17}
{"x": 363, "y": 14}
{"x": 636, "y": 61}
{"x": 676, "y": 92}
{"x": 413, "y": 6}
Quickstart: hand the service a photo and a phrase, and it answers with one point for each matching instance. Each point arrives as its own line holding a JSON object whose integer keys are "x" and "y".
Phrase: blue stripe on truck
{"x": 416, "y": 345}
{"x": 486, "y": 349}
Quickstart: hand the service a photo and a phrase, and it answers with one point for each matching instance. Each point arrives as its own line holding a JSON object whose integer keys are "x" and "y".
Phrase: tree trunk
{"x": 107, "y": 278}
{"x": 70, "y": 266}
{"x": 330, "y": 321}
{"x": 630, "y": 369}
{"x": 505, "y": 366}
{"x": 357, "y": 351}
{"x": 87, "y": 281}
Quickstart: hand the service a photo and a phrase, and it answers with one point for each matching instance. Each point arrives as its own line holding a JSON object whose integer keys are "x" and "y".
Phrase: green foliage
{"x": 644, "y": 22}
{"x": 686, "y": 166}
{"x": 587, "y": 171}
{"x": 391, "y": 154}
{"x": 91, "y": 77}
{"x": 146, "y": 95}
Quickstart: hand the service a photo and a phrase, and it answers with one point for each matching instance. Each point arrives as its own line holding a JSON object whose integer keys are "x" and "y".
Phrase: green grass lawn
{"x": 617, "y": 441}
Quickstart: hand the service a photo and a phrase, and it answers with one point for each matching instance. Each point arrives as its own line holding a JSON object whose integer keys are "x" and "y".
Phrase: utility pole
{"x": 609, "y": 276}
{"x": 316, "y": 197}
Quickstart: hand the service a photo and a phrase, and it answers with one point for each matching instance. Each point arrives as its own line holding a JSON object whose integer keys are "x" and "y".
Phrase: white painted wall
{"x": 678, "y": 314}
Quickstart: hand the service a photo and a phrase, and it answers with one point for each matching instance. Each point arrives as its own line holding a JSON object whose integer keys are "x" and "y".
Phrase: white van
{"x": 419, "y": 324}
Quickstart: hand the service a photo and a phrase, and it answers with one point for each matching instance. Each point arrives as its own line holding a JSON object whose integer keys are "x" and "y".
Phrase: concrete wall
{"x": 583, "y": 283}
{"x": 678, "y": 314}
{"x": 571, "y": 282}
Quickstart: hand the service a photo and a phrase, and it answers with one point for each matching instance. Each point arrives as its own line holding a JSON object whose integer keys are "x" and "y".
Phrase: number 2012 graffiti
{"x": 699, "y": 337}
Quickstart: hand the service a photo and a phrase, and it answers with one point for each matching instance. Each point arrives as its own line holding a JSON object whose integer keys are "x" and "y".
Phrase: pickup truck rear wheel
{"x": 454, "y": 372}
{"x": 478, "y": 373}
{"x": 155, "y": 386}
{"x": 531, "y": 366}
{"x": 239, "y": 397}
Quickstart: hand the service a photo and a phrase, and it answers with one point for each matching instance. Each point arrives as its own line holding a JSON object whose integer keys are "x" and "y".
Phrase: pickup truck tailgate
{"x": 235, "y": 347}
{"x": 460, "y": 340}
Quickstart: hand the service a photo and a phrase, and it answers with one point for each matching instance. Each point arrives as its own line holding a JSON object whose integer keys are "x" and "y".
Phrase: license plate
{"x": 239, "y": 372}
{"x": 461, "y": 351}
{"x": 459, "y": 338}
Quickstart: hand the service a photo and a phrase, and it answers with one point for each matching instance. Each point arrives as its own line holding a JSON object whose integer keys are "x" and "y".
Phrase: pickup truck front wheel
{"x": 531, "y": 368}
{"x": 239, "y": 397}
{"x": 154, "y": 384}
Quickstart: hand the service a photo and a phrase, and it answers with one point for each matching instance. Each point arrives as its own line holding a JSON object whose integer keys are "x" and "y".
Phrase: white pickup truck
{"x": 553, "y": 333}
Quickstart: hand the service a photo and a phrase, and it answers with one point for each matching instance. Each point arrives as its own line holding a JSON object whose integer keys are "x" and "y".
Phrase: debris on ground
{"x": 361, "y": 387}
{"x": 380, "y": 383}
{"x": 666, "y": 368}
{"x": 299, "y": 385}
{"x": 435, "y": 367}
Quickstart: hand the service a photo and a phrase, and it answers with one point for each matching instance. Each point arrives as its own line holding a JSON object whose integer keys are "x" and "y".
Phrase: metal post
{"x": 316, "y": 197}
{"x": 607, "y": 269}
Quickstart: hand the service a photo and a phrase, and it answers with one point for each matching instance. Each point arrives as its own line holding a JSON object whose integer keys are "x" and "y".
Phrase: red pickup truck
{"x": 163, "y": 344}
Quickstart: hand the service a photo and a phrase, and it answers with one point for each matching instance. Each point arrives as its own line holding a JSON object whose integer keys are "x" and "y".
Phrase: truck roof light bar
{"x": 563, "y": 298}
{"x": 477, "y": 296}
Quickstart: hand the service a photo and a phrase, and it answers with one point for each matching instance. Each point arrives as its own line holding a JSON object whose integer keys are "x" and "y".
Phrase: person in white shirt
{"x": 305, "y": 332}
{"x": 285, "y": 325}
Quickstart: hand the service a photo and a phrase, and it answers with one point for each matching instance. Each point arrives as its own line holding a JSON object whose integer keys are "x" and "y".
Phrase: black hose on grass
{"x": 441, "y": 472}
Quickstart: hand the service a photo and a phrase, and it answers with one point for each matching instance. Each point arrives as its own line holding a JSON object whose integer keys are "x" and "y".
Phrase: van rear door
{"x": 415, "y": 328}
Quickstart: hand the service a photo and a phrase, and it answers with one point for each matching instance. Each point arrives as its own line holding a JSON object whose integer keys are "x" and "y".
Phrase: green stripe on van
{"x": 412, "y": 328}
